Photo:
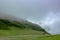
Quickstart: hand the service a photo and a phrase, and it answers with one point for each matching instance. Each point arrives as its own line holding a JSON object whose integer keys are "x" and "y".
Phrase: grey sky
{"x": 44, "y": 11}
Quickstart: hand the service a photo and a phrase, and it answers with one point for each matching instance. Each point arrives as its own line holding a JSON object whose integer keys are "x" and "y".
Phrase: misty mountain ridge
{"x": 9, "y": 20}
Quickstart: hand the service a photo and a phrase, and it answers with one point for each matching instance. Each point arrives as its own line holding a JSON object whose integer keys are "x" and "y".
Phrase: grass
{"x": 25, "y": 34}
{"x": 16, "y": 33}
{"x": 52, "y": 37}
{"x": 31, "y": 37}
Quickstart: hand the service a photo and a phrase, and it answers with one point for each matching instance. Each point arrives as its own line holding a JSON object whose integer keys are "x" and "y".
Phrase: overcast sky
{"x": 42, "y": 12}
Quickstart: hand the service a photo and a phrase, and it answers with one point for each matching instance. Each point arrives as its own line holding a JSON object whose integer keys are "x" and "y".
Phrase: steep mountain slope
{"x": 8, "y": 21}
{"x": 6, "y": 24}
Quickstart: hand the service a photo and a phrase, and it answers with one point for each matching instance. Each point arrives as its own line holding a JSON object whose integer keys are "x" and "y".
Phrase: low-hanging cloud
{"x": 46, "y": 12}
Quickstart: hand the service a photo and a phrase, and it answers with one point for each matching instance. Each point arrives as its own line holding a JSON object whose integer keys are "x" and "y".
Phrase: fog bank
{"x": 43, "y": 12}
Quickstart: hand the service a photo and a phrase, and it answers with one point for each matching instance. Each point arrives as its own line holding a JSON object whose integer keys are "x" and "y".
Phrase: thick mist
{"x": 42, "y": 12}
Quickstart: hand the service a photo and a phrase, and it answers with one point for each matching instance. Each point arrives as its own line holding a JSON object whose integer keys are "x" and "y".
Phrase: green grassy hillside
{"x": 14, "y": 30}
{"x": 6, "y": 25}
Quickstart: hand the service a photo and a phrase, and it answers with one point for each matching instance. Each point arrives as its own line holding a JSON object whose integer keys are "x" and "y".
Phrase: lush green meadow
{"x": 26, "y": 35}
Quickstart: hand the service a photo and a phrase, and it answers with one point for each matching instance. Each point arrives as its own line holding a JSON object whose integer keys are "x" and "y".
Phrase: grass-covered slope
{"x": 14, "y": 30}
{"x": 51, "y": 37}
{"x": 24, "y": 27}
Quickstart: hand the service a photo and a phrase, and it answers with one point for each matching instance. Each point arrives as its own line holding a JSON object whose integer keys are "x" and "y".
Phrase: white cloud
{"x": 35, "y": 11}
